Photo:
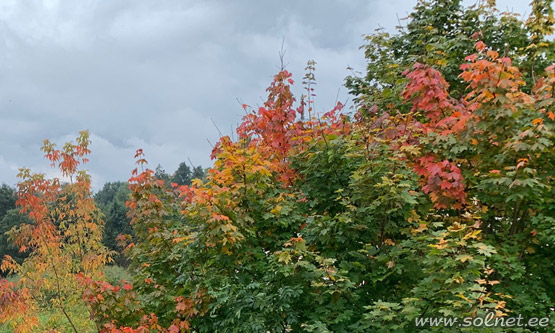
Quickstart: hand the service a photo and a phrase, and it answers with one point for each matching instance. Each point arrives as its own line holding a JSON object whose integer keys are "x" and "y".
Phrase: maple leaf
{"x": 284, "y": 257}
{"x": 470, "y": 58}
{"x": 484, "y": 249}
{"x": 464, "y": 257}
{"x": 421, "y": 228}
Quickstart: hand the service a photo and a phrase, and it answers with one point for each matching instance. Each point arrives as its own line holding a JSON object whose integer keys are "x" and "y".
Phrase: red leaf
{"x": 480, "y": 45}
{"x": 471, "y": 58}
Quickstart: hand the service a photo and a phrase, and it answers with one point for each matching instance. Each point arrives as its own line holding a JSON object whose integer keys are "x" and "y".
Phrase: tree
{"x": 488, "y": 102}
{"x": 441, "y": 33}
{"x": 435, "y": 197}
{"x": 198, "y": 173}
{"x": 111, "y": 201}
{"x": 64, "y": 241}
{"x": 182, "y": 175}
{"x": 162, "y": 174}
{"x": 11, "y": 219}
{"x": 355, "y": 224}
{"x": 7, "y": 199}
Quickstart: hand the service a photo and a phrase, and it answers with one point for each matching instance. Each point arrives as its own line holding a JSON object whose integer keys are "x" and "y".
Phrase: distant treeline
{"x": 110, "y": 200}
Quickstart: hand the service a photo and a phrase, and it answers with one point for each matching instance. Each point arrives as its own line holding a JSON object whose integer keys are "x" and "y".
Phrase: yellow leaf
{"x": 465, "y": 258}
{"x": 472, "y": 234}
{"x": 500, "y": 314}
{"x": 456, "y": 227}
{"x": 421, "y": 228}
{"x": 465, "y": 298}
{"x": 276, "y": 210}
{"x": 459, "y": 279}
{"x": 284, "y": 257}
{"x": 197, "y": 182}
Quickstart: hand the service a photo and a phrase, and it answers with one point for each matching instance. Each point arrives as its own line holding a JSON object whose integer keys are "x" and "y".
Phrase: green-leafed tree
{"x": 198, "y": 173}
{"x": 111, "y": 200}
{"x": 9, "y": 218}
{"x": 184, "y": 175}
{"x": 441, "y": 33}
{"x": 7, "y": 199}
{"x": 503, "y": 92}
{"x": 161, "y": 173}
{"x": 433, "y": 198}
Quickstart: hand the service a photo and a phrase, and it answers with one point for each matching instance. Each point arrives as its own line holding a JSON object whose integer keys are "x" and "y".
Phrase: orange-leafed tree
{"x": 63, "y": 241}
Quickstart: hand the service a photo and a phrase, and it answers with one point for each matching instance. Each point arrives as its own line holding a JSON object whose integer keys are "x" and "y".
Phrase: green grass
{"x": 53, "y": 319}
{"x": 114, "y": 274}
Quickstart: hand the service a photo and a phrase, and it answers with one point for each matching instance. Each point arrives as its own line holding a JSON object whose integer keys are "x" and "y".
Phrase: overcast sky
{"x": 152, "y": 74}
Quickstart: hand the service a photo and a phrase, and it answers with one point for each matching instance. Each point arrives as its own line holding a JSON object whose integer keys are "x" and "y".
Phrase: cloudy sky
{"x": 154, "y": 74}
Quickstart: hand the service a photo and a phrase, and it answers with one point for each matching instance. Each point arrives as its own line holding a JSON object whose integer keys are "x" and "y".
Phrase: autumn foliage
{"x": 318, "y": 211}
{"x": 434, "y": 197}
{"x": 64, "y": 240}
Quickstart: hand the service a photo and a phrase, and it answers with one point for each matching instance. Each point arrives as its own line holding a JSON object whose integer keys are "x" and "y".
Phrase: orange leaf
{"x": 480, "y": 45}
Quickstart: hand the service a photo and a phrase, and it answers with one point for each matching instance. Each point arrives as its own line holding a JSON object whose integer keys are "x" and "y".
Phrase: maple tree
{"x": 434, "y": 197}
{"x": 63, "y": 241}
{"x": 309, "y": 224}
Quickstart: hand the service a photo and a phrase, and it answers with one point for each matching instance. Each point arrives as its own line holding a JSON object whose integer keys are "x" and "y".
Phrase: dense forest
{"x": 432, "y": 196}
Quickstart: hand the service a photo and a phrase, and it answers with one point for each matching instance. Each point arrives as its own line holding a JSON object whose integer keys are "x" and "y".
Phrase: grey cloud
{"x": 152, "y": 74}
